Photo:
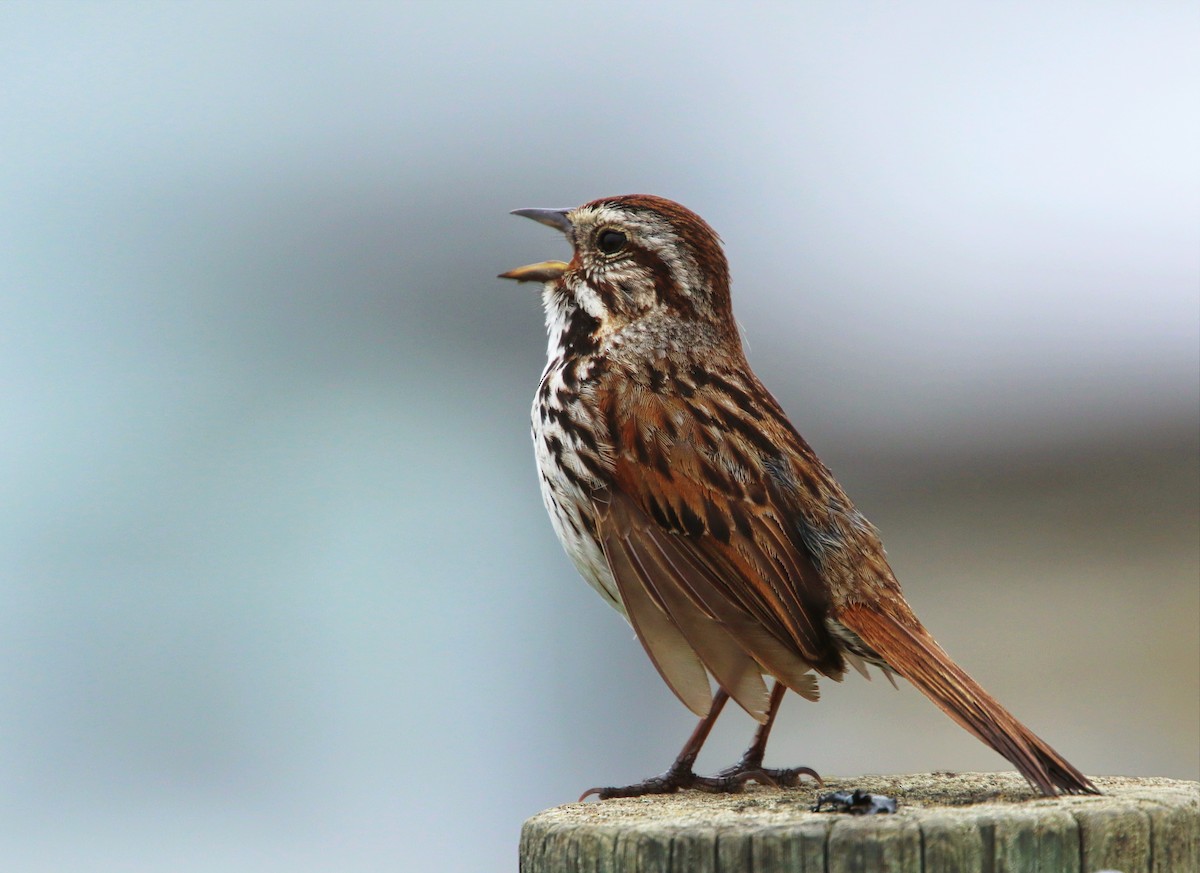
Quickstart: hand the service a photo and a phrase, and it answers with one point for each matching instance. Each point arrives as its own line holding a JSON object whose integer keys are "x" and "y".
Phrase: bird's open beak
{"x": 545, "y": 271}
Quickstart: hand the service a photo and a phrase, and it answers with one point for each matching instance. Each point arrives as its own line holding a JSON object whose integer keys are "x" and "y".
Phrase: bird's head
{"x": 634, "y": 256}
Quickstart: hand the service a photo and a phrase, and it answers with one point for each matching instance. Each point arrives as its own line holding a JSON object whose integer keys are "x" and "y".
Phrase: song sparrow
{"x": 686, "y": 498}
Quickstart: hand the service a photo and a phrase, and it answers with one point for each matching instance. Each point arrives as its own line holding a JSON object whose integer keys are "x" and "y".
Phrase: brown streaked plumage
{"x": 686, "y": 498}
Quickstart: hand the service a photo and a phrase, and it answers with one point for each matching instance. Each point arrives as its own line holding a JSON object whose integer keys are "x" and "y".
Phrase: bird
{"x": 686, "y": 498}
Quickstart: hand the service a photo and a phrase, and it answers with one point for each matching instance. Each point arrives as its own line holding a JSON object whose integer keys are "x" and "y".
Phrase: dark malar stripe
{"x": 579, "y": 337}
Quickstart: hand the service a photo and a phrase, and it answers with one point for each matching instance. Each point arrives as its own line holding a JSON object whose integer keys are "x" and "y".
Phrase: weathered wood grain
{"x": 946, "y": 823}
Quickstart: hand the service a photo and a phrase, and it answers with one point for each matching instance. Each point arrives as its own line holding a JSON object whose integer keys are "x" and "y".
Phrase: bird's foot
{"x": 731, "y": 780}
{"x": 677, "y": 778}
{"x": 750, "y": 768}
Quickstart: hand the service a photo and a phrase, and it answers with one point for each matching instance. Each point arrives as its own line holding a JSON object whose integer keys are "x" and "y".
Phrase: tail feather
{"x": 913, "y": 653}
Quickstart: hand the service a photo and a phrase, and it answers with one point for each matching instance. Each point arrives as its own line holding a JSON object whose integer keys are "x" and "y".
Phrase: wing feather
{"x": 672, "y": 655}
{"x": 731, "y": 644}
{"x": 709, "y": 545}
{"x": 704, "y": 586}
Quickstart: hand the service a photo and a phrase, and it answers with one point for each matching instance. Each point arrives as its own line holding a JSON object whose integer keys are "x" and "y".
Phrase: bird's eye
{"x": 610, "y": 241}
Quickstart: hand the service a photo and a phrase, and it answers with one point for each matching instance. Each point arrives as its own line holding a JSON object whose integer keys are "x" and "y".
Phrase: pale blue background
{"x": 276, "y": 588}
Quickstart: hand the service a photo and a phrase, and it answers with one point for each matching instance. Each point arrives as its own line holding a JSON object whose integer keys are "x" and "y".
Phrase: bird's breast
{"x": 573, "y": 463}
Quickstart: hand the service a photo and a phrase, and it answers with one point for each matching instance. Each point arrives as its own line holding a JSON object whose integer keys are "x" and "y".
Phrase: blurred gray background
{"x": 277, "y": 591}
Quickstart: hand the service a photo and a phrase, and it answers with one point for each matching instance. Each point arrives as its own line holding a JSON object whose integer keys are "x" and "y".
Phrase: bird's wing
{"x": 707, "y": 553}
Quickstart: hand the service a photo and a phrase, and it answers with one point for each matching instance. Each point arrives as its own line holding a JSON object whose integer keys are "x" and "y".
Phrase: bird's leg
{"x": 679, "y": 775}
{"x": 731, "y": 780}
{"x": 750, "y": 767}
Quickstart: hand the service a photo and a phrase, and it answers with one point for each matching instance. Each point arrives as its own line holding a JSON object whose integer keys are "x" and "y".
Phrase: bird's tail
{"x": 912, "y": 652}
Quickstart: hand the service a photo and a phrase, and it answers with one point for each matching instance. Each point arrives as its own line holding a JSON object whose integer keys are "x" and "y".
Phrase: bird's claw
{"x": 668, "y": 783}
{"x": 732, "y": 780}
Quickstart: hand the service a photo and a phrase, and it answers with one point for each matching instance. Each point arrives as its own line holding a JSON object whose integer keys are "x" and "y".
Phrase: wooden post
{"x": 946, "y": 823}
